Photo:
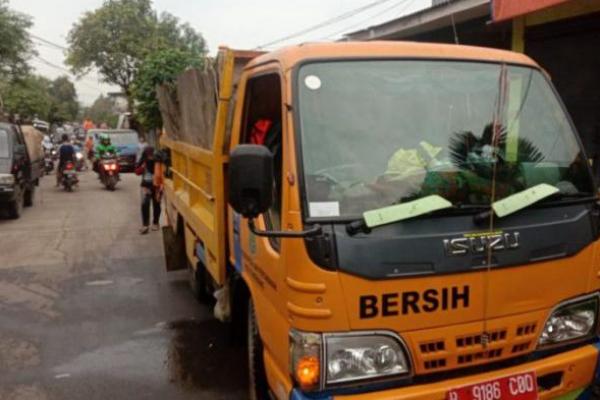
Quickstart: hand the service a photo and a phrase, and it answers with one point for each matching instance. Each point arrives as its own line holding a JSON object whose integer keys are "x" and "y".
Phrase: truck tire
{"x": 28, "y": 197}
{"x": 257, "y": 379}
{"x": 174, "y": 248}
{"x": 15, "y": 208}
{"x": 198, "y": 283}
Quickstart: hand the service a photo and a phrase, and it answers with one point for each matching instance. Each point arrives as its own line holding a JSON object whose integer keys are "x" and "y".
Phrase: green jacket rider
{"x": 105, "y": 146}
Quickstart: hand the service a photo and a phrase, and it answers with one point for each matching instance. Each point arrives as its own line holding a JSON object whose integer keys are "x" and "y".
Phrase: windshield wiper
{"x": 399, "y": 212}
{"x": 527, "y": 198}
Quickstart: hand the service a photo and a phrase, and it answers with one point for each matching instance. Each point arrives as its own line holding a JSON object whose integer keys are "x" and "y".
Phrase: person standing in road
{"x": 142, "y": 144}
{"x": 89, "y": 149}
{"x": 150, "y": 170}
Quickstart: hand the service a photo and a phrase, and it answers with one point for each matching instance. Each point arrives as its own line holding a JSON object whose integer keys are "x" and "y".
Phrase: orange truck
{"x": 390, "y": 220}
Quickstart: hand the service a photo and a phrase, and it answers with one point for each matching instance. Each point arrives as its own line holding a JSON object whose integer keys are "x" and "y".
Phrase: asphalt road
{"x": 88, "y": 312}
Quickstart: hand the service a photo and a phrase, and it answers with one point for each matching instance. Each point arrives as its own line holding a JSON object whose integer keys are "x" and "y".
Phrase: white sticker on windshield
{"x": 312, "y": 82}
{"x": 324, "y": 209}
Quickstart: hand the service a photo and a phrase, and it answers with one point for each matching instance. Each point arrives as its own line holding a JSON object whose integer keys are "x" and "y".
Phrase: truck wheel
{"x": 15, "y": 208}
{"x": 197, "y": 278}
{"x": 28, "y": 197}
{"x": 257, "y": 378}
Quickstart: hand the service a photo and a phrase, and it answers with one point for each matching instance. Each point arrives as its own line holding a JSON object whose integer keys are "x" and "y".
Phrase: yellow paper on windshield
{"x": 523, "y": 199}
{"x": 399, "y": 212}
{"x": 432, "y": 151}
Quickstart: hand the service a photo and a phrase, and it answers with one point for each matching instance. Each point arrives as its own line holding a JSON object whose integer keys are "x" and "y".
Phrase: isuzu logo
{"x": 480, "y": 243}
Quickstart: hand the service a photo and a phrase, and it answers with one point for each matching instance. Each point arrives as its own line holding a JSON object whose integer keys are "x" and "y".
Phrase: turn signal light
{"x": 307, "y": 371}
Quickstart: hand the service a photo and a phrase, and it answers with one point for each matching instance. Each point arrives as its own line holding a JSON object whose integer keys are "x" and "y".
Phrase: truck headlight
{"x": 355, "y": 357}
{"x": 332, "y": 359}
{"x": 7, "y": 179}
{"x": 575, "y": 319}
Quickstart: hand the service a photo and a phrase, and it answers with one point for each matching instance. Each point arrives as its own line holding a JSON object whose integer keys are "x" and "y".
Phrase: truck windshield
{"x": 4, "y": 144}
{"x": 377, "y": 133}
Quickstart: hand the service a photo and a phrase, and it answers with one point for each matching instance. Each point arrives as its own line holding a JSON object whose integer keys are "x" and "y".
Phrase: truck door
{"x": 261, "y": 124}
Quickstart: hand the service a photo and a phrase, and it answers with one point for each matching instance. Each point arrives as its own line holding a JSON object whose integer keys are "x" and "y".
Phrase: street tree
{"x": 102, "y": 110}
{"x": 116, "y": 38}
{"x": 28, "y": 97}
{"x": 160, "y": 67}
{"x": 16, "y": 46}
{"x": 64, "y": 100}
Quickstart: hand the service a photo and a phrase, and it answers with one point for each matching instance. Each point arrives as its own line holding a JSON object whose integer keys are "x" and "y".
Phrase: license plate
{"x": 514, "y": 387}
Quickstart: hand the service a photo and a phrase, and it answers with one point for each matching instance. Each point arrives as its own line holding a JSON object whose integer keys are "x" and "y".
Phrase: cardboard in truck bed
{"x": 33, "y": 141}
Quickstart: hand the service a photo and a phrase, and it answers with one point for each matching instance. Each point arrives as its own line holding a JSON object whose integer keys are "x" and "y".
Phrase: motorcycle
{"x": 79, "y": 160}
{"x": 48, "y": 162}
{"x": 69, "y": 176}
{"x": 109, "y": 171}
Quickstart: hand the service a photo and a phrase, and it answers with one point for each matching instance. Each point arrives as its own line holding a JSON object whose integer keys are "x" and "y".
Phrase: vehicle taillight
{"x": 69, "y": 165}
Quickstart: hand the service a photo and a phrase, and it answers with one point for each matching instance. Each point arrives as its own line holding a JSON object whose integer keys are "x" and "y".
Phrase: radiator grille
{"x": 467, "y": 345}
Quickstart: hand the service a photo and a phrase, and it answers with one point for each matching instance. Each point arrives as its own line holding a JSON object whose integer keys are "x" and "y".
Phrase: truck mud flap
{"x": 174, "y": 245}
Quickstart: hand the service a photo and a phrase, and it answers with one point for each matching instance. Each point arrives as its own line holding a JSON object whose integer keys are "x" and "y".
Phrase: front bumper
{"x": 127, "y": 163}
{"x": 577, "y": 370}
{"x": 7, "y": 194}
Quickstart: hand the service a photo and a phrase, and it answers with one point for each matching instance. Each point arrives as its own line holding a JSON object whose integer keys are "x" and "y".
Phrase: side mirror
{"x": 251, "y": 188}
{"x": 250, "y": 180}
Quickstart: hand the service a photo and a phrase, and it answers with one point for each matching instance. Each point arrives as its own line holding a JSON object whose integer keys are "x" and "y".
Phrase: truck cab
{"x": 406, "y": 221}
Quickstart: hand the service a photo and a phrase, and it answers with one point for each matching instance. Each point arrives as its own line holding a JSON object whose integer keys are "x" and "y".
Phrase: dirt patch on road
{"x": 23, "y": 392}
{"x": 17, "y": 354}
{"x": 32, "y": 297}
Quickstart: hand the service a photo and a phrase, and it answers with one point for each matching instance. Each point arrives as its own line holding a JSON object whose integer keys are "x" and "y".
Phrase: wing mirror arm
{"x": 314, "y": 231}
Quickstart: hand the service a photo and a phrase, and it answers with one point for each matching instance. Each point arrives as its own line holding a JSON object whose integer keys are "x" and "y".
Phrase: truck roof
{"x": 290, "y": 56}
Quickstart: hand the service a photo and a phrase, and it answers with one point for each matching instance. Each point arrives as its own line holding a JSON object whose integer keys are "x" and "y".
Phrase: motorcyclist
{"x": 104, "y": 147}
{"x": 66, "y": 153}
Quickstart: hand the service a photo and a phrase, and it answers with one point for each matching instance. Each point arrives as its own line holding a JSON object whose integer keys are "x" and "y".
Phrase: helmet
{"x": 105, "y": 139}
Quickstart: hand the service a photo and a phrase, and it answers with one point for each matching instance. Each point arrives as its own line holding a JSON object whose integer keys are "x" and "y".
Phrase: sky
{"x": 240, "y": 24}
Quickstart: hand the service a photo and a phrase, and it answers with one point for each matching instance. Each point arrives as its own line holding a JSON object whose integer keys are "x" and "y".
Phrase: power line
{"x": 45, "y": 45}
{"x": 406, "y": 3}
{"x": 49, "y": 43}
{"x": 95, "y": 77}
{"x": 55, "y": 66}
{"x": 338, "y": 18}
{"x": 48, "y": 63}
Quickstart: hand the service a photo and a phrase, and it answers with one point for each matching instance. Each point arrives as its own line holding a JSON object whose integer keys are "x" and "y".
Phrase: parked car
{"x": 19, "y": 170}
{"x": 125, "y": 140}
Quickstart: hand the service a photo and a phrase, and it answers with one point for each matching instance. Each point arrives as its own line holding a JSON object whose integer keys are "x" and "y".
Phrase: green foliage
{"x": 102, "y": 111}
{"x": 171, "y": 34}
{"x": 35, "y": 96}
{"x": 116, "y": 37}
{"x": 16, "y": 46}
{"x": 160, "y": 67}
{"x": 64, "y": 100}
{"x": 28, "y": 97}
{"x": 112, "y": 39}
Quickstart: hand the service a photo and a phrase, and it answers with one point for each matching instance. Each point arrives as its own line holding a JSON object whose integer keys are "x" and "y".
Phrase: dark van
{"x": 18, "y": 175}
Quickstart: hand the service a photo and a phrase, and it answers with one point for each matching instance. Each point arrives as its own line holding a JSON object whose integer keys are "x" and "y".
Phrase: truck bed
{"x": 195, "y": 184}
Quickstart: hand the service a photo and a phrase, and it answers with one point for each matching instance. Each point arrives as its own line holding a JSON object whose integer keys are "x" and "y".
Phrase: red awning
{"x": 507, "y": 9}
